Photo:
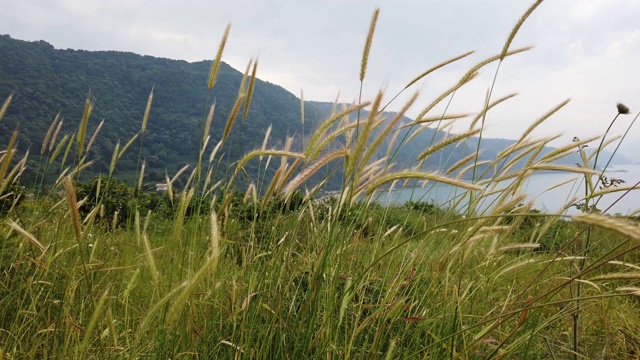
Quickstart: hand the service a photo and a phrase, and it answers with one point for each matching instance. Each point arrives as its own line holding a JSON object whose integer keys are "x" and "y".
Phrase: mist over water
{"x": 537, "y": 189}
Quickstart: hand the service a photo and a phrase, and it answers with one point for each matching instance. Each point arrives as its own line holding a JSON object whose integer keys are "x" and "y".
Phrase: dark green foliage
{"x": 11, "y": 196}
{"x": 113, "y": 195}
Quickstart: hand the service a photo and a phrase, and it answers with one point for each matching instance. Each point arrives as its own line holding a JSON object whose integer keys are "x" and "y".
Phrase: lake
{"x": 537, "y": 188}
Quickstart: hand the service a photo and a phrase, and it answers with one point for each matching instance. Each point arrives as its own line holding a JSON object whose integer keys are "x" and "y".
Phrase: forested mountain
{"x": 47, "y": 81}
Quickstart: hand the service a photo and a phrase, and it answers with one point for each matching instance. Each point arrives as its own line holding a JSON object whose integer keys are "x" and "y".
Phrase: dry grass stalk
{"x": 252, "y": 84}
{"x": 7, "y": 157}
{"x": 461, "y": 163}
{"x": 308, "y": 171}
{"x": 618, "y": 276}
{"x": 45, "y": 142}
{"x": 82, "y": 129}
{"x": 312, "y": 149}
{"x": 93, "y": 137}
{"x": 147, "y": 110}
{"x": 465, "y": 80}
{"x": 232, "y": 117}
{"x": 410, "y": 174}
{"x": 67, "y": 151}
{"x": 367, "y": 44}
{"x": 32, "y": 239}
{"x": 215, "y": 66}
{"x": 437, "y": 67}
{"x": 258, "y": 153}
{"x": 543, "y": 119}
{"x": 114, "y": 158}
{"x": 207, "y": 124}
{"x": 55, "y": 135}
{"x": 126, "y": 146}
{"x": 375, "y": 144}
{"x": 620, "y": 226}
{"x": 5, "y": 105}
{"x": 73, "y": 207}
{"x": 489, "y": 107}
{"x": 446, "y": 142}
{"x": 516, "y": 28}
{"x": 437, "y": 118}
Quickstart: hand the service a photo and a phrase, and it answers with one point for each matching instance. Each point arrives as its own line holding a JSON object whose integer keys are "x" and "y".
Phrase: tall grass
{"x": 279, "y": 273}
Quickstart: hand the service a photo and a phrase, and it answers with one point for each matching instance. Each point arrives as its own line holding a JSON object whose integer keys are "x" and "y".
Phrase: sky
{"x": 586, "y": 50}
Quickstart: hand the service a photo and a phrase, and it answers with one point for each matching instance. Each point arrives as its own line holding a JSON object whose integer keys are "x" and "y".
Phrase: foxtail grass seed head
{"x": 215, "y": 66}
{"x": 622, "y": 109}
{"x": 5, "y": 105}
{"x": 367, "y": 44}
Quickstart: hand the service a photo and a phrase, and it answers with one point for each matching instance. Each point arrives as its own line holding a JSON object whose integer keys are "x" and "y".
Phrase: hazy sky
{"x": 587, "y": 50}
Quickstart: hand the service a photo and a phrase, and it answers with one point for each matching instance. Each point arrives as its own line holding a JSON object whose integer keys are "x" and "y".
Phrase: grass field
{"x": 105, "y": 270}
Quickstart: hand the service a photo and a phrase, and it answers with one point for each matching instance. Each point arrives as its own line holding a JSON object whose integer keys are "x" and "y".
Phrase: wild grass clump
{"x": 210, "y": 270}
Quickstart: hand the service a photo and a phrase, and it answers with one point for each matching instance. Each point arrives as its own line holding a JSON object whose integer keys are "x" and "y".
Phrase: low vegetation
{"x": 101, "y": 269}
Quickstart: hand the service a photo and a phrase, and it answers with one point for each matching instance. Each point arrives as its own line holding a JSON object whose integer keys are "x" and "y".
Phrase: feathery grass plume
{"x": 363, "y": 137}
{"x": 514, "y": 161}
{"x": 460, "y": 163}
{"x": 471, "y": 167}
{"x": 214, "y": 236}
{"x": 437, "y": 118}
{"x": 375, "y": 144}
{"x": 215, "y": 66}
{"x": 93, "y": 137}
{"x": 465, "y": 80}
{"x": 437, "y": 67}
{"x": 126, "y": 146}
{"x": 180, "y": 172}
{"x": 214, "y": 151}
{"x": 618, "y": 276}
{"x": 114, "y": 158}
{"x": 147, "y": 110}
{"x": 603, "y": 145}
{"x": 169, "y": 187}
{"x": 32, "y": 239}
{"x": 149, "y": 255}
{"x": 367, "y": 44}
{"x": 141, "y": 177}
{"x": 258, "y": 153}
{"x": 82, "y": 129}
{"x": 612, "y": 189}
{"x": 630, "y": 290}
{"x": 311, "y": 150}
{"x": 45, "y": 142}
{"x": 73, "y": 207}
{"x": 565, "y": 168}
{"x": 14, "y": 174}
{"x": 207, "y": 124}
{"x": 67, "y": 151}
{"x": 411, "y": 174}
{"x": 7, "y": 157}
{"x": 265, "y": 140}
{"x": 309, "y": 170}
{"x": 185, "y": 198}
{"x": 446, "y": 142}
{"x": 484, "y": 111}
{"x": 488, "y": 61}
{"x": 542, "y": 119}
{"x": 88, "y": 333}
{"x": 392, "y": 142}
{"x": 5, "y": 105}
{"x": 618, "y": 225}
{"x": 55, "y": 135}
{"x": 232, "y": 117}
{"x": 252, "y": 84}
{"x": 516, "y": 28}
{"x": 190, "y": 286}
